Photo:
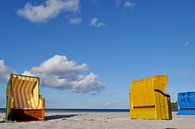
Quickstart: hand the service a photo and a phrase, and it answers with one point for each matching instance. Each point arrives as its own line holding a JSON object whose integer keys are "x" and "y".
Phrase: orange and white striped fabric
{"x": 25, "y": 92}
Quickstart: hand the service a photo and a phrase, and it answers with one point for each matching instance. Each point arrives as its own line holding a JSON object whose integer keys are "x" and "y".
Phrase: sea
{"x": 2, "y": 110}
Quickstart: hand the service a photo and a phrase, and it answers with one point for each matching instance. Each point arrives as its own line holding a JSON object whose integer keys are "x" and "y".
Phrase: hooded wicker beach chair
{"x": 148, "y": 99}
{"x": 186, "y": 103}
{"x": 23, "y": 99}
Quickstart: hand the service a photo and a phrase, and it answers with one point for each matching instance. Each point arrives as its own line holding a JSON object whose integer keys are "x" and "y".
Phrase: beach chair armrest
{"x": 41, "y": 101}
{"x": 159, "y": 91}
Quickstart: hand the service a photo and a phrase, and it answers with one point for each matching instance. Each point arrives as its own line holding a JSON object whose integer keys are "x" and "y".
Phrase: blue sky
{"x": 118, "y": 40}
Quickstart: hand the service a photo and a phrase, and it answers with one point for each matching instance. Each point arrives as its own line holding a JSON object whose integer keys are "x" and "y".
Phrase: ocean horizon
{"x": 78, "y": 110}
{"x": 81, "y": 110}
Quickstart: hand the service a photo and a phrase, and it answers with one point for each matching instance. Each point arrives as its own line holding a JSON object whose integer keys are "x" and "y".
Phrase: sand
{"x": 118, "y": 120}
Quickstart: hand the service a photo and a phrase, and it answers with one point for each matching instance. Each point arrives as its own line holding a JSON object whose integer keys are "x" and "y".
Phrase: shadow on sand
{"x": 54, "y": 117}
{"x": 170, "y": 128}
{"x": 3, "y": 121}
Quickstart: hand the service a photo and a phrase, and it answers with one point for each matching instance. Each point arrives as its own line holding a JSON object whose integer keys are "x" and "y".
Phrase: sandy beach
{"x": 92, "y": 120}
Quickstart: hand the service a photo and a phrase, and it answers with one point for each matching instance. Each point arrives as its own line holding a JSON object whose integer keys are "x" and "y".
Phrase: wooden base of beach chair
{"x": 27, "y": 114}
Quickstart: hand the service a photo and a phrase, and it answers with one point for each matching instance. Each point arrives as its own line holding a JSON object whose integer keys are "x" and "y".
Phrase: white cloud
{"x": 5, "y": 72}
{"x": 96, "y": 23}
{"x": 75, "y": 20}
{"x": 125, "y": 3}
{"x": 184, "y": 73}
{"x": 59, "y": 72}
{"x": 58, "y": 64}
{"x": 107, "y": 104}
{"x": 48, "y": 10}
{"x": 128, "y": 4}
{"x": 186, "y": 44}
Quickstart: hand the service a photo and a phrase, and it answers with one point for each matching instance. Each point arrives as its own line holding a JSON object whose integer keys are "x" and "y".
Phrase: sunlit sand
{"x": 92, "y": 120}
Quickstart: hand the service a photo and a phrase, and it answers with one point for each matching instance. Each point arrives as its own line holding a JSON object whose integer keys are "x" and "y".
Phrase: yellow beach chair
{"x": 148, "y": 99}
{"x": 23, "y": 99}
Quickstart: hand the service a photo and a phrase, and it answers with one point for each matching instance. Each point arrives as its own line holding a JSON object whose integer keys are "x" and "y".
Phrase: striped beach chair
{"x": 148, "y": 98}
{"x": 23, "y": 99}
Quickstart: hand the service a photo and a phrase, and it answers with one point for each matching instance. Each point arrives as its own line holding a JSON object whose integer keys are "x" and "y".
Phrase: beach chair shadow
{"x": 3, "y": 121}
{"x": 54, "y": 117}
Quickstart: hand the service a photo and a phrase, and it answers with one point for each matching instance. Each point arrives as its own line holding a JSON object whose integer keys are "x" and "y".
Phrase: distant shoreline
{"x": 82, "y": 110}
